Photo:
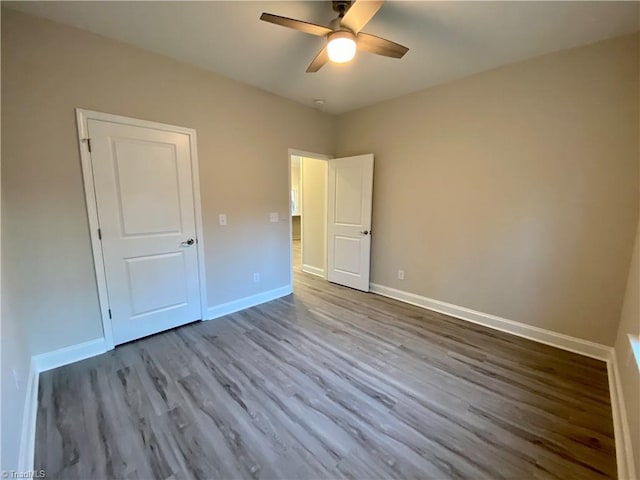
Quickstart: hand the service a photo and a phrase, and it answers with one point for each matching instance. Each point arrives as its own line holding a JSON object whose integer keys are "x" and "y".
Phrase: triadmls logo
{"x": 27, "y": 474}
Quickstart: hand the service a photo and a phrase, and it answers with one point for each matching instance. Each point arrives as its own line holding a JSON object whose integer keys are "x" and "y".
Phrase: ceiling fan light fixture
{"x": 341, "y": 46}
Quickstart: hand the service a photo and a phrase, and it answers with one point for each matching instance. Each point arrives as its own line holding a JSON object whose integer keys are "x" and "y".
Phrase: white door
{"x": 144, "y": 196}
{"x": 350, "y": 190}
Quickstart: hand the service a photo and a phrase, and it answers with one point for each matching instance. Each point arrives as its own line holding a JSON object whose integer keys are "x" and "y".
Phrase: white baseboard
{"x": 28, "y": 433}
{"x": 548, "y": 337}
{"x": 624, "y": 450}
{"x": 70, "y": 354}
{"x": 42, "y": 363}
{"x": 247, "y": 302}
{"x": 313, "y": 270}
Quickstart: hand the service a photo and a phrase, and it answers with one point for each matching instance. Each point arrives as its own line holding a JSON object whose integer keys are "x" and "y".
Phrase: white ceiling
{"x": 447, "y": 40}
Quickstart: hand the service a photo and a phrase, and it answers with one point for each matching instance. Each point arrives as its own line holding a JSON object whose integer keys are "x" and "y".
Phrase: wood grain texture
{"x": 328, "y": 383}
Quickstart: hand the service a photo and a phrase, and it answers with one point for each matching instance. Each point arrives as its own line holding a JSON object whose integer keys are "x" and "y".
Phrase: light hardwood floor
{"x": 328, "y": 383}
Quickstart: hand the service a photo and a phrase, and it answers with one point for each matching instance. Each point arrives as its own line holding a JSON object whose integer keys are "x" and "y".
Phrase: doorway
{"x": 143, "y": 201}
{"x": 331, "y": 207}
{"x": 308, "y": 212}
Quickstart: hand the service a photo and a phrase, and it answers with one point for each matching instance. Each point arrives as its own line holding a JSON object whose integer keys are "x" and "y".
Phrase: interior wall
{"x": 513, "y": 192}
{"x": 15, "y": 360}
{"x": 244, "y": 134}
{"x": 314, "y": 213}
{"x": 627, "y": 365}
{"x": 295, "y": 185}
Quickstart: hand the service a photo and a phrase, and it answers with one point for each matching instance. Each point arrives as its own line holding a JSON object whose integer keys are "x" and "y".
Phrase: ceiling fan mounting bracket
{"x": 341, "y": 6}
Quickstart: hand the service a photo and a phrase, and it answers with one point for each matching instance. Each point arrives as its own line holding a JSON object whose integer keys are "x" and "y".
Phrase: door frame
{"x": 317, "y": 156}
{"x": 82, "y": 118}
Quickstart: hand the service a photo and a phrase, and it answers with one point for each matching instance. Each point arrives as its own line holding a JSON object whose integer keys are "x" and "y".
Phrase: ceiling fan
{"x": 344, "y": 33}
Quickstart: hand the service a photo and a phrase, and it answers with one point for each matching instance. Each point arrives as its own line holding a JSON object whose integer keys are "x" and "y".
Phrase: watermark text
{"x": 26, "y": 474}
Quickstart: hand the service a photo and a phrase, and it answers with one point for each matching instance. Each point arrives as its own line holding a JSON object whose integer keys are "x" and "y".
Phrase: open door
{"x": 350, "y": 189}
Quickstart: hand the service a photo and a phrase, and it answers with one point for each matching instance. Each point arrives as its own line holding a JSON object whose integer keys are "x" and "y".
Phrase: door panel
{"x": 350, "y": 191}
{"x": 347, "y": 255}
{"x": 142, "y": 169}
{"x": 144, "y": 196}
{"x": 348, "y": 204}
{"x": 157, "y": 282}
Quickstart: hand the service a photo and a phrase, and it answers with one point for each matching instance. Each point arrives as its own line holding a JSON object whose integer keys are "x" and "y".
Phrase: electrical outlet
{"x": 274, "y": 217}
{"x": 222, "y": 218}
{"x": 256, "y": 277}
{"x": 16, "y": 378}
{"x": 400, "y": 274}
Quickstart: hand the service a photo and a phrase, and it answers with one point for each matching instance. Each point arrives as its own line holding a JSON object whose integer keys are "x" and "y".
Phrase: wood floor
{"x": 328, "y": 383}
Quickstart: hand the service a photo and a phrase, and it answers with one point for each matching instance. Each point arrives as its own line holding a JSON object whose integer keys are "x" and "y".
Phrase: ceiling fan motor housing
{"x": 336, "y": 26}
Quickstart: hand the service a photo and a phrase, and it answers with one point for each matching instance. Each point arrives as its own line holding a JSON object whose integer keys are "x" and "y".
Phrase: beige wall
{"x": 15, "y": 359}
{"x": 627, "y": 366}
{"x": 513, "y": 192}
{"x": 243, "y": 139}
{"x": 314, "y": 212}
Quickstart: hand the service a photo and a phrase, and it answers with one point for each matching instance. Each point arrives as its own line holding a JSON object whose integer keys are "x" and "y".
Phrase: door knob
{"x": 189, "y": 242}
{"x": 366, "y": 232}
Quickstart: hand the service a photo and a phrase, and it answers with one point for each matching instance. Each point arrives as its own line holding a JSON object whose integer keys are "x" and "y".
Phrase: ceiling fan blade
{"x": 319, "y": 61}
{"x": 360, "y": 13}
{"x": 380, "y": 46}
{"x": 305, "y": 27}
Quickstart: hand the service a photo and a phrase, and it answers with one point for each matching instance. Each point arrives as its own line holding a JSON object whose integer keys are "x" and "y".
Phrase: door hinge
{"x": 99, "y": 234}
{"x": 88, "y": 144}
{"x": 110, "y": 313}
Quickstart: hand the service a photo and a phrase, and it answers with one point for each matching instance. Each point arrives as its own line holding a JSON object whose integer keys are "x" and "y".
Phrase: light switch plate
{"x": 274, "y": 217}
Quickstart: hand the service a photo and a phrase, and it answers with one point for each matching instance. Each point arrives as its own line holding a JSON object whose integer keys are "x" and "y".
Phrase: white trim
{"x": 320, "y": 272}
{"x": 291, "y": 216}
{"x": 248, "y": 302}
{"x": 624, "y": 450}
{"x": 70, "y": 354}
{"x": 112, "y": 118}
{"x": 82, "y": 117}
{"x": 197, "y": 205}
{"x": 92, "y": 214}
{"x": 28, "y": 434}
{"x": 325, "y": 225}
{"x": 541, "y": 335}
{"x": 302, "y": 153}
{"x": 42, "y": 363}
{"x": 302, "y": 217}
